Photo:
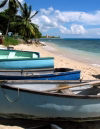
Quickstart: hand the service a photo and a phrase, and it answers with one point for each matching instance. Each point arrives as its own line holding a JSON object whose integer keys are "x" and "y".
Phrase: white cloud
{"x": 48, "y": 11}
{"x": 90, "y": 19}
{"x": 74, "y": 29}
{"x": 77, "y": 29}
{"x": 83, "y": 17}
{"x": 67, "y": 16}
{"x": 64, "y": 30}
{"x": 45, "y": 19}
{"x": 50, "y": 19}
{"x": 21, "y": 1}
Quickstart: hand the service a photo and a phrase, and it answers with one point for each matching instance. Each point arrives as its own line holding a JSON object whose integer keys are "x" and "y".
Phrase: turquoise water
{"x": 88, "y": 50}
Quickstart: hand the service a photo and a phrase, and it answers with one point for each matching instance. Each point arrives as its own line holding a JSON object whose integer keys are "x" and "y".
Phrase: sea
{"x": 84, "y": 50}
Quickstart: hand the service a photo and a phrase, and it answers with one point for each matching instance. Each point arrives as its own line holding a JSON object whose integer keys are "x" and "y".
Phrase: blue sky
{"x": 67, "y": 18}
{"x": 66, "y": 5}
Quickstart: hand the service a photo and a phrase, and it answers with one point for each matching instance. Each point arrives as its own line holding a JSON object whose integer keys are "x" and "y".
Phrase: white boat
{"x": 41, "y": 100}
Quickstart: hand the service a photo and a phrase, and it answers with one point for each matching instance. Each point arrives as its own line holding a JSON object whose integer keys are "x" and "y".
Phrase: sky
{"x": 67, "y": 18}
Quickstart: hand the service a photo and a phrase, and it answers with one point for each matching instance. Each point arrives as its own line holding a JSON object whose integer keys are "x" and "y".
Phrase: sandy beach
{"x": 87, "y": 71}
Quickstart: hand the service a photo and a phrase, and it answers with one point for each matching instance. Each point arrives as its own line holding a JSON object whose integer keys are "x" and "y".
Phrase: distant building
{"x": 47, "y": 36}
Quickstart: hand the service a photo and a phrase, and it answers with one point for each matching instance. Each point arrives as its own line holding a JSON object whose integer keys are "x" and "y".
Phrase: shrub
{"x": 10, "y": 41}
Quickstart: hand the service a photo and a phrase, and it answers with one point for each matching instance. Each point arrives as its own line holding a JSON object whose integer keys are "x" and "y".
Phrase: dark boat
{"x": 41, "y": 74}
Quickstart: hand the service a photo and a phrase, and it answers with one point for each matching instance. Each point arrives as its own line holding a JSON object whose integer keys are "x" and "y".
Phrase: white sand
{"x": 86, "y": 70}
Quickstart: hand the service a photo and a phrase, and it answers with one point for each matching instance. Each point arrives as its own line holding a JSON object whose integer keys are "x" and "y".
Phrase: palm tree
{"x": 24, "y": 25}
{"x": 13, "y": 2}
{"x": 3, "y": 3}
{"x": 11, "y": 11}
{"x": 3, "y": 21}
{"x": 20, "y": 23}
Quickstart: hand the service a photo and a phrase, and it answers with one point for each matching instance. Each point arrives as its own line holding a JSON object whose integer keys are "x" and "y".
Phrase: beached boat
{"x": 17, "y": 54}
{"x": 41, "y": 100}
{"x": 24, "y": 63}
{"x": 15, "y": 59}
{"x": 2, "y": 47}
{"x": 41, "y": 74}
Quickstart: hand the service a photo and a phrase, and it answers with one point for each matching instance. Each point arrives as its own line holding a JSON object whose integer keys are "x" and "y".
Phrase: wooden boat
{"x": 15, "y": 59}
{"x": 41, "y": 74}
{"x": 41, "y": 100}
{"x": 17, "y": 54}
{"x": 2, "y": 47}
{"x": 25, "y": 63}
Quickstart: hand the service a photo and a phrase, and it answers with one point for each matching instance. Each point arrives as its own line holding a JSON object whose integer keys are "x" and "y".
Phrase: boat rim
{"x": 6, "y": 85}
{"x": 24, "y": 59}
{"x": 19, "y": 51}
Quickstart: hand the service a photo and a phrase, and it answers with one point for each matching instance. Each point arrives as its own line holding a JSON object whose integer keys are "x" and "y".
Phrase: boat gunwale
{"x": 27, "y": 70}
{"x": 25, "y": 59}
{"x": 7, "y": 86}
{"x": 20, "y": 51}
{"x": 48, "y": 75}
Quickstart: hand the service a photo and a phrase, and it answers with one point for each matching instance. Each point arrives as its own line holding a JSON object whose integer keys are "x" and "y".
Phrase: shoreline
{"x": 87, "y": 71}
{"x": 45, "y": 51}
{"x": 78, "y": 55}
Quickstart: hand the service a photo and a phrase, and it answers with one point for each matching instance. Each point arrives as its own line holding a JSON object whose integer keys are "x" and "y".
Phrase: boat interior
{"x": 10, "y": 54}
{"x": 59, "y": 87}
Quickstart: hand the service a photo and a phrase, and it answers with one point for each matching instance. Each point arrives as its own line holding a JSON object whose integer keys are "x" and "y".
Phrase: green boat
{"x": 17, "y": 54}
{"x": 15, "y": 59}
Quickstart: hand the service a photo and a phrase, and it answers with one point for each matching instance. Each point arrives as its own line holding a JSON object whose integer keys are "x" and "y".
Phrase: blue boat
{"x": 23, "y": 63}
{"x": 53, "y": 74}
{"x": 42, "y": 101}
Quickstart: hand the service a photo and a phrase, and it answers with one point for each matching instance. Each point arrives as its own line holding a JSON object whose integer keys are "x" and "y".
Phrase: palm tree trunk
{"x": 7, "y": 28}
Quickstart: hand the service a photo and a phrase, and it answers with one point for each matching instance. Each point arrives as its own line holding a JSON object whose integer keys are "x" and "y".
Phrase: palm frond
{"x": 20, "y": 5}
{"x": 30, "y": 10}
{"x": 3, "y": 3}
{"x": 34, "y": 14}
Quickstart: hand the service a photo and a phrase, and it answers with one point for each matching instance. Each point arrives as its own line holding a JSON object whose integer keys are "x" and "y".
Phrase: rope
{"x": 8, "y": 98}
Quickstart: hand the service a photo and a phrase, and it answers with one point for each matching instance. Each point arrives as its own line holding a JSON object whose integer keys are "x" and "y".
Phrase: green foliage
{"x": 27, "y": 28}
{"x": 3, "y": 3}
{"x": 10, "y": 41}
{"x": 20, "y": 24}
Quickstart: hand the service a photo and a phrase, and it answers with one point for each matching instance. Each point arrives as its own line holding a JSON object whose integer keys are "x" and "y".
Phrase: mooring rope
{"x": 8, "y": 98}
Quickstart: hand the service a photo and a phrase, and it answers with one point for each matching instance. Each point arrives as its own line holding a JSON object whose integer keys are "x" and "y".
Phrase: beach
{"x": 87, "y": 71}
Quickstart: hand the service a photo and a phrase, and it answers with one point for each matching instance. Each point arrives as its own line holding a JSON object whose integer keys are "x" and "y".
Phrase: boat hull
{"x": 27, "y": 63}
{"x": 71, "y": 75}
{"x": 24, "y": 103}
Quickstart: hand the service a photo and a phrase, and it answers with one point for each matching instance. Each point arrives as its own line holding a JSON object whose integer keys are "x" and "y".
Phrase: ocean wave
{"x": 96, "y": 65}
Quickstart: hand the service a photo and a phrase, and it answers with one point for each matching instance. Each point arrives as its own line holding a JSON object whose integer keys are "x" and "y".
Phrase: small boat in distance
{"x": 47, "y": 100}
{"x": 41, "y": 74}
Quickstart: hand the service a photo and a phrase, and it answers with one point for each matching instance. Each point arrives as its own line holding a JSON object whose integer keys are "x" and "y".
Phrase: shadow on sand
{"x": 96, "y": 76}
{"x": 30, "y": 124}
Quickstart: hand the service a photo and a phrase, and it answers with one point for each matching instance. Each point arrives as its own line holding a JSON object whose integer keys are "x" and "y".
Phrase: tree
{"x": 11, "y": 11}
{"x": 3, "y": 3}
{"x": 19, "y": 23}
{"x": 24, "y": 25}
{"x": 3, "y": 22}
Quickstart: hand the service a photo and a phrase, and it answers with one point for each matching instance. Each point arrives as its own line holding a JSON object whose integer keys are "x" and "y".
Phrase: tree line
{"x": 17, "y": 19}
